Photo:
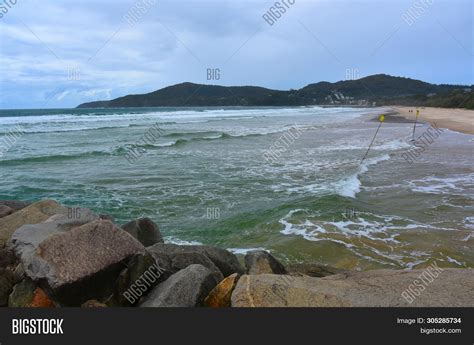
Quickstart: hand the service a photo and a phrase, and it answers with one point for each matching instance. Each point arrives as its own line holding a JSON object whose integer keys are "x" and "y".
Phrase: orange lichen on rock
{"x": 41, "y": 300}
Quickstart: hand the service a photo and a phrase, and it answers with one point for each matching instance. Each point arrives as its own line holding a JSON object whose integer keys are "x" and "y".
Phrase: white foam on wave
{"x": 350, "y": 186}
{"x": 468, "y": 237}
{"x": 457, "y": 184}
{"x": 353, "y": 227}
{"x": 469, "y": 222}
{"x": 180, "y": 242}
{"x": 63, "y": 128}
{"x": 311, "y": 231}
{"x": 166, "y": 144}
{"x": 92, "y": 120}
{"x": 454, "y": 261}
{"x": 219, "y": 136}
{"x": 308, "y": 230}
{"x": 387, "y": 225}
{"x": 245, "y": 132}
{"x": 243, "y": 251}
{"x": 383, "y": 228}
{"x": 393, "y": 145}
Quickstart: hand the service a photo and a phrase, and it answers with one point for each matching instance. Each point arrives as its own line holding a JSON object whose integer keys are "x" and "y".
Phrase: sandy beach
{"x": 460, "y": 120}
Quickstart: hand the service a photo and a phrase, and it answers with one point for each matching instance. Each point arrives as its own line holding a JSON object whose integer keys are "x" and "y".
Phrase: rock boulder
{"x": 7, "y": 281}
{"x": 261, "y": 262}
{"x": 93, "y": 304}
{"x": 77, "y": 264}
{"x": 35, "y": 213}
{"x": 5, "y": 211}
{"x": 144, "y": 230}
{"x": 377, "y": 288}
{"x": 187, "y": 288}
{"x": 141, "y": 274}
{"x": 14, "y": 204}
{"x": 313, "y": 270}
{"x": 25, "y": 240}
{"x": 7, "y": 258}
{"x": 220, "y": 296}
{"x": 22, "y": 294}
{"x": 224, "y": 260}
{"x": 173, "y": 260}
{"x": 41, "y": 300}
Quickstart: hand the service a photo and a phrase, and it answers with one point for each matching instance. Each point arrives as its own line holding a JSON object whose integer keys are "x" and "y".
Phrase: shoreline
{"x": 455, "y": 119}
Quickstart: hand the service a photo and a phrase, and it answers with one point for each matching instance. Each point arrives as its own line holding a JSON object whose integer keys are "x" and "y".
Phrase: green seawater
{"x": 206, "y": 179}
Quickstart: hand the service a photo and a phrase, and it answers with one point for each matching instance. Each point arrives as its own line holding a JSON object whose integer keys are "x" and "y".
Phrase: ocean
{"x": 208, "y": 179}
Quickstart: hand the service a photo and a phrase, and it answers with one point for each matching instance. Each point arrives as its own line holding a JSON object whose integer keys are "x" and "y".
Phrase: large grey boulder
{"x": 7, "y": 281}
{"x": 224, "y": 260}
{"x": 261, "y": 262}
{"x": 77, "y": 263}
{"x": 15, "y": 205}
{"x": 35, "y": 213}
{"x": 7, "y": 258}
{"x": 377, "y": 288}
{"x": 313, "y": 270}
{"x": 26, "y": 240}
{"x": 187, "y": 288}
{"x": 144, "y": 230}
{"x": 5, "y": 211}
{"x": 173, "y": 260}
{"x": 9, "y": 275}
{"x": 22, "y": 294}
{"x": 141, "y": 273}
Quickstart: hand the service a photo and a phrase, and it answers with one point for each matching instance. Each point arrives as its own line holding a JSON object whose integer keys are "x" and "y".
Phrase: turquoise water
{"x": 206, "y": 180}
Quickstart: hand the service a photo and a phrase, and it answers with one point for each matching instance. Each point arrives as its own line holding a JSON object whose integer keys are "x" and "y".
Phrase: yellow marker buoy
{"x": 381, "y": 120}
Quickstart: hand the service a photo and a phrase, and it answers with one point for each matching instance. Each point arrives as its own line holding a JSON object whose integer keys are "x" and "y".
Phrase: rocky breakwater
{"x": 52, "y": 257}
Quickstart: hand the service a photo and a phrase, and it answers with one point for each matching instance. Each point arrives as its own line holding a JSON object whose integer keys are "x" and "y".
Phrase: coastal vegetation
{"x": 374, "y": 90}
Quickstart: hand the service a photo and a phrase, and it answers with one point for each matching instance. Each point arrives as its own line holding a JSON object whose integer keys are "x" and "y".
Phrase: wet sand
{"x": 460, "y": 120}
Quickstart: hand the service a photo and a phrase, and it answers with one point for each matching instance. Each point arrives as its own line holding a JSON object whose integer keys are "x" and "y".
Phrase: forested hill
{"x": 378, "y": 89}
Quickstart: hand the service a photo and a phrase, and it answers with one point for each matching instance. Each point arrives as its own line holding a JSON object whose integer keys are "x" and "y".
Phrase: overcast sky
{"x": 59, "y": 53}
